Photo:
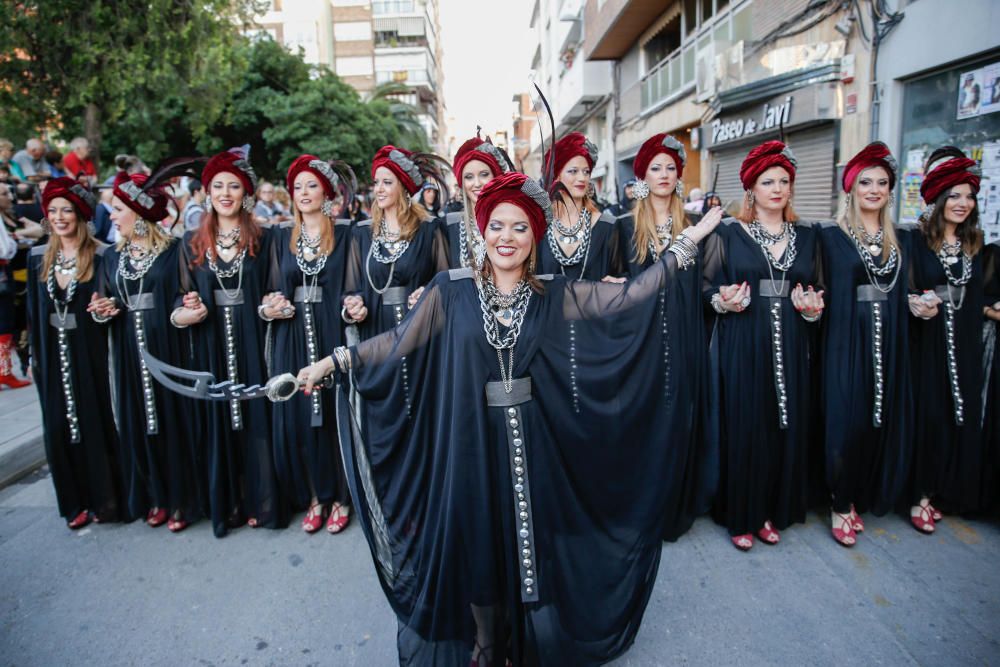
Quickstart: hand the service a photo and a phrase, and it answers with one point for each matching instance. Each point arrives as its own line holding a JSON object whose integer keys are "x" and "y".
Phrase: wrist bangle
{"x": 717, "y": 304}
{"x": 342, "y": 359}
{"x": 173, "y": 321}
{"x": 100, "y": 319}
{"x": 344, "y": 316}
{"x": 262, "y": 315}
{"x": 812, "y": 318}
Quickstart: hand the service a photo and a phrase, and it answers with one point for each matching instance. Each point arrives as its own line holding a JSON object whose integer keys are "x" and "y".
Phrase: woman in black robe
{"x": 760, "y": 272}
{"x": 70, "y": 358}
{"x": 311, "y": 254}
{"x": 476, "y": 163}
{"x": 229, "y": 257}
{"x": 582, "y": 243}
{"x": 139, "y": 287}
{"x": 516, "y": 514}
{"x": 947, "y": 281}
{"x": 657, "y": 218}
{"x": 866, "y": 391}
{"x": 991, "y": 388}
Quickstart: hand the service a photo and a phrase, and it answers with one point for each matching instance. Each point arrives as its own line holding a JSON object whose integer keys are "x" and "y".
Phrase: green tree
{"x": 135, "y": 67}
{"x": 403, "y": 114}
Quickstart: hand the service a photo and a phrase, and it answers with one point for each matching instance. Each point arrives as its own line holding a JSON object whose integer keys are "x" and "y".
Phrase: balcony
{"x": 578, "y": 88}
{"x": 614, "y": 27}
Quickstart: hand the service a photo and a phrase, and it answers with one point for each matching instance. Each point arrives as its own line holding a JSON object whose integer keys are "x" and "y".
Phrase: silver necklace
{"x": 873, "y": 241}
{"x": 301, "y": 246}
{"x": 61, "y": 306}
{"x": 949, "y": 252}
{"x": 765, "y": 240}
{"x": 663, "y": 238}
{"x": 235, "y": 268}
{"x": 467, "y": 233}
{"x": 572, "y": 234}
{"x": 582, "y": 252}
{"x": 873, "y": 270}
{"x": 394, "y": 249}
{"x": 491, "y": 299}
{"x": 64, "y": 265}
{"x": 136, "y": 273}
{"x": 227, "y": 240}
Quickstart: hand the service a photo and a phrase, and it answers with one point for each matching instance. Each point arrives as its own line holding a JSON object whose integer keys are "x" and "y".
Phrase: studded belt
{"x": 871, "y": 293}
{"x": 227, "y": 298}
{"x": 68, "y": 322}
{"x": 141, "y": 301}
{"x": 876, "y": 297}
{"x": 395, "y": 296}
{"x": 773, "y": 289}
{"x": 311, "y": 293}
{"x": 520, "y": 393}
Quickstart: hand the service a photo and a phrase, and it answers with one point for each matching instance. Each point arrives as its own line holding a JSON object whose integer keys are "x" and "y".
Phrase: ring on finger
{"x": 745, "y": 302}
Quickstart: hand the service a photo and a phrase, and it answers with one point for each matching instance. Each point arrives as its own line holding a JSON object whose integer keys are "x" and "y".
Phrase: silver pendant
{"x": 950, "y": 260}
{"x": 875, "y": 250}
{"x": 569, "y": 240}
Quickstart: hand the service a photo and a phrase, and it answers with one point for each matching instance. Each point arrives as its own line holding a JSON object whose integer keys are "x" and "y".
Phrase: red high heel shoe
{"x": 176, "y": 525}
{"x": 742, "y": 542}
{"x": 7, "y": 377}
{"x": 339, "y": 519}
{"x": 935, "y": 512}
{"x": 845, "y": 538}
{"x": 313, "y": 520}
{"x": 79, "y": 521}
{"x": 768, "y": 534}
{"x": 856, "y": 523}
{"x": 924, "y": 520}
{"x": 156, "y": 517}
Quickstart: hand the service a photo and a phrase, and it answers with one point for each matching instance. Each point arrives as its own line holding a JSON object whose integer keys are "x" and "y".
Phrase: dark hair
{"x": 194, "y": 185}
{"x": 53, "y": 157}
{"x": 968, "y": 233}
{"x": 24, "y": 192}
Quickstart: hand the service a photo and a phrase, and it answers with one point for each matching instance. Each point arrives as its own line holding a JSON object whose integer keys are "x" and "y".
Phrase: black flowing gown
{"x": 242, "y": 483}
{"x": 306, "y": 454}
{"x": 538, "y": 512}
{"x": 991, "y": 386}
{"x": 85, "y": 468}
{"x": 158, "y": 429}
{"x": 949, "y": 452}
{"x": 603, "y": 259}
{"x": 868, "y": 442}
{"x": 763, "y": 472}
{"x": 694, "y": 467}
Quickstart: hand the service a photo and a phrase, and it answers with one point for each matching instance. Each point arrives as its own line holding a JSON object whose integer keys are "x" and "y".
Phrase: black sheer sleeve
{"x": 440, "y": 249}
{"x": 185, "y": 280}
{"x": 420, "y": 325}
{"x": 714, "y": 265}
{"x": 991, "y": 273}
{"x": 617, "y": 265}
{"x": 591, "y": 300}
{"x": 353, "y": 273}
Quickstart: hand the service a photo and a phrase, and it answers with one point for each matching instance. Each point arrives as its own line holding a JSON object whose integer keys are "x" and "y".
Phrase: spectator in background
{"x": 710, "y": 200}
{"x": 31, "y": 160}
{"x": 267, "y": 212}
{"x": 626, "y": 201}
{"x": 695, "y": 201}
{"x": 6, "y": 178}
{"x": 430, "y": 197}
{"x": 55, "y": 161}
{"x": 26, "y": 204}
{"x": 284, "y": 203}
{"x": 6, "y": 155}
{"x": 130, "y": 164}
{"x": 195, "y": 206}
{"x": 78, "y": 162}
{"x": 104, "y": 230}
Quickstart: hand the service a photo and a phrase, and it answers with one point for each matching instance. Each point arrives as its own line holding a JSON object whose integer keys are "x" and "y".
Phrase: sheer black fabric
{"x": 948, "y": 456}
{"x": 604, "y": 257}
{"x": 242, "y": 483}
{"x": 437, "y": 489}
{"x": 160, "y": 458}
{"x": 763, "y": 473}
{"x": 991, "y": 387}
{"x": 85, "y": 473}
{"x": 866, "y": 465}
{"x": 306, "y": 453}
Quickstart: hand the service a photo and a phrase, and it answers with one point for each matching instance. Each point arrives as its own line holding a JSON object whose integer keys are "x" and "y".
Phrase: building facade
{"x": 368, "y": 43}
{"x": 725, "y": 75}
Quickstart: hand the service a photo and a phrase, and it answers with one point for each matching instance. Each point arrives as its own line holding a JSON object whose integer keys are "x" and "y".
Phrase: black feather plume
{"x": 348, "y": 183}
{"x": 174, "y": 167}
{"x": 549, "y": 168}
{"x": 435, "y": 168}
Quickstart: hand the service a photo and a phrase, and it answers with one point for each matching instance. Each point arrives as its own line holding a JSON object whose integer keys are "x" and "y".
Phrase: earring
{"x": 409, "y": 199}
{"x": 847, "y": 200}
{"x": 91, "y": 228}
{"x": 208, "y": 203}
{"x": 248, "y": 203}
{"x": 46, "y": 226}
{"x": 892, "y": 200}
{"x": 640, "y": 190}
{"x": 141, "y": 229}
{"x": 750, "y": 198}
{"x": 327, "y": 208}
{"x": 679, "y": 189}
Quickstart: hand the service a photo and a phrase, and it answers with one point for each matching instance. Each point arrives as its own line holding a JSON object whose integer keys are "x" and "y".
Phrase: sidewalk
{"x": 21, "y": 447}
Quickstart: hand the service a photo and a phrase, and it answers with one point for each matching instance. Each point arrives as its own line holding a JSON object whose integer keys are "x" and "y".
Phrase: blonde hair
{"x": 85, "y": 251}
{"x": 850, "y": 219}
{"x": 327, "y": 239}
{"x": 645, "y": 224}
{"x": 409, "y": 212}
{"x": 159, "y": 238}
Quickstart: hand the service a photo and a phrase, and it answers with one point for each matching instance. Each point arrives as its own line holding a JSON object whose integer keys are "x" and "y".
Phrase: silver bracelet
{"x": 173, "y": 314}
{"x": 100, "y": 319}
{"x": 812, "y": 318}
{"x": 685, "y": 250}
{"x": 261, "y": 315}
{"x": 342, "y": 358}
{"x": 717, "y": 304}
{"x": 344, "y": 316}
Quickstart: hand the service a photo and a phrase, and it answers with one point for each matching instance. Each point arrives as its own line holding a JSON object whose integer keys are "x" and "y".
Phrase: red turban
{"x": 397, "y": 160}
{"x": 517, "y": 189}
{"x": 477, "y": 149}
{"x": 150, "y": 204}
{"x": 71, "y": 190}
{"x": 567, "y": 148}
{"x": 946, "y": 175}
{"x": 760, "y": 159}
{"x": 318, "y": 168}
{"x": 656, "y": 144}
{"x": 235, "y": 161}
{"x": 875, "y": 154}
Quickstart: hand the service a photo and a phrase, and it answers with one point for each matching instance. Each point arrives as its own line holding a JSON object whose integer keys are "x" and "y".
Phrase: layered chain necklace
{"x": 511, "y": 307}
{"x": 227, "y": 240}
{"x": 579, "y": 233}
{"x": 309, "y": 245}
{"x": 766, "y": 240}
{"x": 865, "y": 245}
{"x": 139, "y": 260}
{"x": 386, "y": 248}
{"x": 949, "y": 255}
{"x": 235, "y": 268}
{"x": 663, "y": 238}
{"x": 469, "y": 235}
{"x": 66, "y": 267}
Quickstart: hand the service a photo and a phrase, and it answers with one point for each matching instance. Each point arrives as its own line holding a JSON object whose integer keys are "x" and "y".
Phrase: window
{"x": 392, "y": 7}
{"x": 354, "y": 66}
{"x": 354, "y": 31}
{"x": 664, "y": 42}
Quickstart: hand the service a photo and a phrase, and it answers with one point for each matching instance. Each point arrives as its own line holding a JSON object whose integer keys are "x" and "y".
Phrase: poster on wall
{"x": 909, "y": 198}
{"x": 989, "y": 191}
{"x": 979, "y": 91}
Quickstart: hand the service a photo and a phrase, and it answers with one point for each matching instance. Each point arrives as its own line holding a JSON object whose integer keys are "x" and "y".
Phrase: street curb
{"x": 24, "y": 460}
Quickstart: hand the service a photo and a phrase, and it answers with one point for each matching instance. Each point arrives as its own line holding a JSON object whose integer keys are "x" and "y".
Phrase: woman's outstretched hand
{"x": 705, "y": 226}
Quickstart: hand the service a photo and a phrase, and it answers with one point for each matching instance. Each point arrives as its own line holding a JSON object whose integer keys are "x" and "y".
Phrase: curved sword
{"x": 202, "y": 386}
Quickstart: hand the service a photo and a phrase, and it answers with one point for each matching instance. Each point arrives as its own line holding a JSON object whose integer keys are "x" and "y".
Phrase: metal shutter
{"x": 814, "y": 150}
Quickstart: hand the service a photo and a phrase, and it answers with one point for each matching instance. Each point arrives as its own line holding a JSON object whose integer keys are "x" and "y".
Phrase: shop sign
{"x": 770, "y": 118}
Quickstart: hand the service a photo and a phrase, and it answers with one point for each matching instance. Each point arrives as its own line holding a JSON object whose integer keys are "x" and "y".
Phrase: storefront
{"x": 959, "y": 106}
{"x": 809, "y": 119}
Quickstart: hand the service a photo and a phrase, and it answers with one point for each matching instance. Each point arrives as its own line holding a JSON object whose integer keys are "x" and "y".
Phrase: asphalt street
{"x": 132, "y": 595}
